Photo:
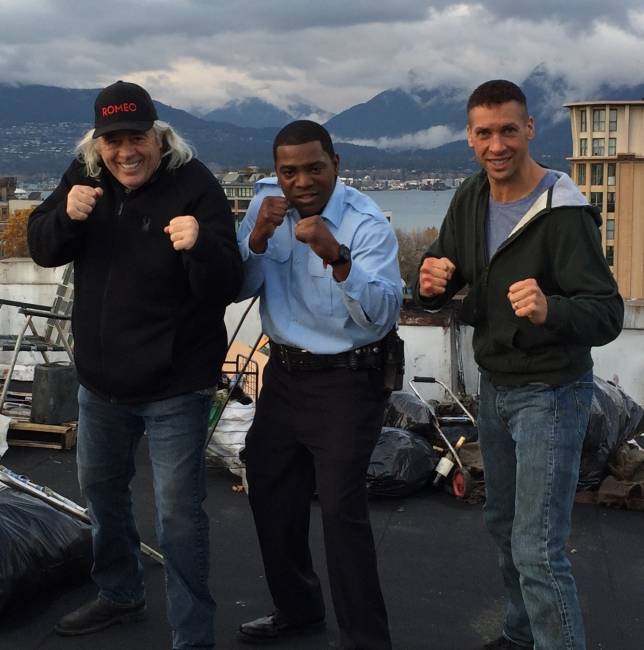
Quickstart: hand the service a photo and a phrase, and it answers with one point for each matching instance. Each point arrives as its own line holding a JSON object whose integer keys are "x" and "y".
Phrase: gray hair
{"x": 172, "y": 144}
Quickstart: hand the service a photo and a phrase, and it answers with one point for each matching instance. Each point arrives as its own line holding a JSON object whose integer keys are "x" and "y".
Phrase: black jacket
{"x": 558, "y": 244}
{"x": 147, "y": 320}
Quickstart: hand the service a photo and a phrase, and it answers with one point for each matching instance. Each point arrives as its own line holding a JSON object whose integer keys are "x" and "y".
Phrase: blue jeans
{"x": 531, "y": 439}
{"x": 108, "y": 435}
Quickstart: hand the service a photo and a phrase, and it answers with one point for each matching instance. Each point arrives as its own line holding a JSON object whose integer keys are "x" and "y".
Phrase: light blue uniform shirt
{"x": 301, "y": 304}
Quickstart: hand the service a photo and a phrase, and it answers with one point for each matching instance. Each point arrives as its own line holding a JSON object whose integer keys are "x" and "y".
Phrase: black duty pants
{"x": 317, "y": 429}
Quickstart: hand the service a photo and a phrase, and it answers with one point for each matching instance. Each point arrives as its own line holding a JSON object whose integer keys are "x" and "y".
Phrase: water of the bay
{"x": 414, "y": 209}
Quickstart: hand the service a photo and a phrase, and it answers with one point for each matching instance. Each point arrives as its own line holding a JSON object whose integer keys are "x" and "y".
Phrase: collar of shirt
{"x": 334, "y": 209}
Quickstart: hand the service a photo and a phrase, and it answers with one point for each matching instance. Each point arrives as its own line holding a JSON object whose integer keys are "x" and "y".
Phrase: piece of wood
{"x": 25, "y": 425}
{"x": 22, "y": 433}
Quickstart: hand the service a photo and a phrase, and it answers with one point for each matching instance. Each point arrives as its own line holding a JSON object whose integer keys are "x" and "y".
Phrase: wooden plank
{"x": 48, "y": 436}
{"x": 25, "y": 425}
{"x": 39, "y": 444}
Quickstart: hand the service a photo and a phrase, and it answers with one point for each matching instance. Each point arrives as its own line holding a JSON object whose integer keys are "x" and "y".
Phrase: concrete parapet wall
{"x": 435, "y": 344}
{"x": 22, "y": 279}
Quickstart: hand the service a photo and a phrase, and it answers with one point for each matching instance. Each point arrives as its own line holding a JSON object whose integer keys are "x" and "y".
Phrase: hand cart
{"x": 450, "y": 462}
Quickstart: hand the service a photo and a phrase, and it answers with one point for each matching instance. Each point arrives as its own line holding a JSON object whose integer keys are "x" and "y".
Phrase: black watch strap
{"x": 344, "y": 256}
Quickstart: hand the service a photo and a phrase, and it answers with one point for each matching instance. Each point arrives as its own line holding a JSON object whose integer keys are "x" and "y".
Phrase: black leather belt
{"x": 367, "y": 356}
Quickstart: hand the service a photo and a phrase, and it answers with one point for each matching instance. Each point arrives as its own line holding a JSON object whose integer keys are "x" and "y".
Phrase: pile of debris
{"x": 412, "y": 444}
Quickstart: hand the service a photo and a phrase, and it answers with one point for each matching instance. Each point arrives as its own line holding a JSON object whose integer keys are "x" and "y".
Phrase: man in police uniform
{"x": 323, "y": 260}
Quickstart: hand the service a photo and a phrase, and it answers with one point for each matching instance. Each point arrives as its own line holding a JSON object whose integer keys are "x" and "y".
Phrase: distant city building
{"x": 8, "y": 186}
{"x": 607, "y": 163}
{"x": 239, "y": 187}
{"x": 24, "y": 203}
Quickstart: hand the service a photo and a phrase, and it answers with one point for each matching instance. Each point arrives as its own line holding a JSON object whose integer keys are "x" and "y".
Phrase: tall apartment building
{"x": 607, "y": 163}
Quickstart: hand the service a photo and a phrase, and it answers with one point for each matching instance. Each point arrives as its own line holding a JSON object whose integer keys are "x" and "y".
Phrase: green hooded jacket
{"x": 558, "y": 244}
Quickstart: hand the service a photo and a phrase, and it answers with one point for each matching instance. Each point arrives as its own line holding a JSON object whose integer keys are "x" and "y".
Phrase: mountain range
{"x": 257, "y": 113}
{"x": 412, "y": 128}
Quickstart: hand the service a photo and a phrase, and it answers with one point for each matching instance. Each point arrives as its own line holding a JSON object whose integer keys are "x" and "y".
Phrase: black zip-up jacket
{"x": 147, "y": 320}
{"x": 558, "y": 244}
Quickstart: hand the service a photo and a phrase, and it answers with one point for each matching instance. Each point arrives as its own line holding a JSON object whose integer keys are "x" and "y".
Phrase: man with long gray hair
{"x": 151, "y": 236}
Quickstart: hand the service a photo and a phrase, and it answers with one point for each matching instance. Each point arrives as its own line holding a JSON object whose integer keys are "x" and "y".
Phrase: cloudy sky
{"x": 331, "y": 53}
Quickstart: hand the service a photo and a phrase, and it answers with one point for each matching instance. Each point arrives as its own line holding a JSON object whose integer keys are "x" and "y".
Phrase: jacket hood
{"x": 565, "y": 194}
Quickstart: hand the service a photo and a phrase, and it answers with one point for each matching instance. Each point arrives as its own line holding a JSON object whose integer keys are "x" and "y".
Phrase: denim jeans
{"x": 108, "y": 435}
{"x": 531, "y": 439}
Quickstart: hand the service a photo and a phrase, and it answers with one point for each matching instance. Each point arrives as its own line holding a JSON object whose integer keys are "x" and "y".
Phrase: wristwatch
{"x": 344, "y": 256}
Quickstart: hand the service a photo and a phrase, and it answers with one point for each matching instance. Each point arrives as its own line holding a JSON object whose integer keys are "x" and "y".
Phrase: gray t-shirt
{"x": 503, "y": 217}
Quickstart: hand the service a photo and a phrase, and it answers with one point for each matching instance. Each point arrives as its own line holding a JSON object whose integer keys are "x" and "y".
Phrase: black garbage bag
{"x": 614, "y": 418}
{"x": 401, "y": 463}
{"x": 406, "y": 411}
{"x": 39, "y": 546}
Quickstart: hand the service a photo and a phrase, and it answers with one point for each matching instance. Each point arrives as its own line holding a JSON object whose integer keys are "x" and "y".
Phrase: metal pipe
{"x": 241, "y": 322}
{"x": 59, "y": 502}
{"x": 437, "y": 425}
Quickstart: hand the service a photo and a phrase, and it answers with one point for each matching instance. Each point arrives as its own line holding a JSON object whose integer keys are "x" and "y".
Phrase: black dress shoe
{"x": 503, "y": 643}
{"x": 99, "y": 614}
{"x": 274, "y": 627}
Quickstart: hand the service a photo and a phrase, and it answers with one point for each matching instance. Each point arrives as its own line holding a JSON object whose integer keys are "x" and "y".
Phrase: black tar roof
{"x": 437, "y": 566}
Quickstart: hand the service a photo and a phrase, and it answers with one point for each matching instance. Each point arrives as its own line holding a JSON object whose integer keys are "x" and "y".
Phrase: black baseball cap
{"x": 123, "y": 106}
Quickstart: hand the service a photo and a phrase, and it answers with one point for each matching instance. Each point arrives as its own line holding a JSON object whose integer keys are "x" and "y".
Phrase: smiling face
{"x": 306, "y": 174}
{"x": 500, "y": 135}
{"x": 131, "y": 156}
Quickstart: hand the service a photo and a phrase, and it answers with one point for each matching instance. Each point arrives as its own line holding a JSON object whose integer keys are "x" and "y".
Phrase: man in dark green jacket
{"x": 526, "y": 242}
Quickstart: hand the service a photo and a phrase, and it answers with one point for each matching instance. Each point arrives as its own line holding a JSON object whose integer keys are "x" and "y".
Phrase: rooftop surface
{"x": 437, "y": 565}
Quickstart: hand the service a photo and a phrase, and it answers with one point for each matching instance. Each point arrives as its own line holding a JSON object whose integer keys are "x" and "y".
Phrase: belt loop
{"x": 287, "y": 358}
{"x": 353, "y": 357}
{"x": 282, "y": 353}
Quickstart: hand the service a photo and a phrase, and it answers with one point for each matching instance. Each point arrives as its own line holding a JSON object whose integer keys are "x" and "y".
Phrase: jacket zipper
{"x": 119, "y": 214}
{"x": 513, "y": 238}
{"x": 480, "y": 233}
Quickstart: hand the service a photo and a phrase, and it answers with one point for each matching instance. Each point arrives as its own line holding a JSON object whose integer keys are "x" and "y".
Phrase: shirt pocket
{"x": 279, "y": 245}
{"x": 321, "y": 284}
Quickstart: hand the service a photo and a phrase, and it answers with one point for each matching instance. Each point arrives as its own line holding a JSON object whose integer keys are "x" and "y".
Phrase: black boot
{"x": 98, "y": 614}
{"x": 274, "y": 627}
{"x": 503, "y": 643}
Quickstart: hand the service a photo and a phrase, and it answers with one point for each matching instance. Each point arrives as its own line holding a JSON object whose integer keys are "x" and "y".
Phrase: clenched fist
{"x": 314, "y": 232}
{"x": 81, "y": 200}
{"x": 183, "y": 232}
{"x": 528, "y": 301}
{"x": 271, "y": 214}
{"x": 434, "y": 275}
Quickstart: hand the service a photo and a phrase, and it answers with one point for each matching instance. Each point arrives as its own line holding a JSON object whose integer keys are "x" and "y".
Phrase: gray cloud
{"x": 573, "y": 13}
{"x": 199, "y": 53}
{"x": 425, "y": 139}
{"x": 128, "y": 20}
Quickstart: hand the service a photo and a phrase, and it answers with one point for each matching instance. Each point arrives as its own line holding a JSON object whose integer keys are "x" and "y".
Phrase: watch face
{"x": 344, "y": 256}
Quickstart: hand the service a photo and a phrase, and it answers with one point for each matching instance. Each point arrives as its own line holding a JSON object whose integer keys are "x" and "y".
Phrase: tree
{"x": 411, "y": 247}
{"x": 14, "y": 238}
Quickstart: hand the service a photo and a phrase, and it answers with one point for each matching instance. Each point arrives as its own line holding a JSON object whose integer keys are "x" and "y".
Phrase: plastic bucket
{"x": 54, "y": 394}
